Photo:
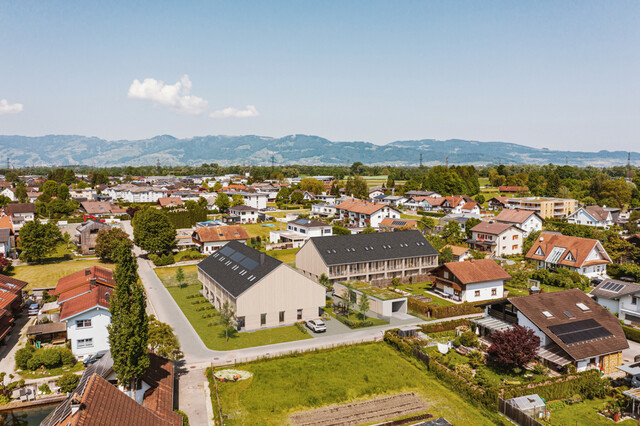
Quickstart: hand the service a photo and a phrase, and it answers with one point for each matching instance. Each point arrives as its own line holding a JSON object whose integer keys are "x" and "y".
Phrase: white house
{"x": 592, "y": 216}
{"x": 243, "y": 214}
{"x": 326, "y": 198}
{"x": 583, "y": 255}
{"x": 619, "y": 297}
{"x": 364, "y": 213}
{"x": 257, "y": 200}
{"x": 527, "y": 220}
{"x": 470, "y": 207}
{"x": 299, "y": 230}
{"x": 9, "y": 193}
{"x": 499, "y": 239}
{"x": 136, "y": 193}
{"x": 5, "y": 241}
{"x": 423, "y": 202}
{"x": 20, "y": 213}
{"x": 210, "y": 238}
{"x": 87, "y": 316}
{"x": 323, "y": 209}
{"x": 472, "y": 280}
{"x": 453, "y": 204}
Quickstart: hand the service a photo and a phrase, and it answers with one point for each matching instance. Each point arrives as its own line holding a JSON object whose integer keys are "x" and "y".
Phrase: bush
{"x": 68, "y": 382}
{"x": 631, "y": 333}
{"x": 443, "y": 311}
{"x": 191, "y": 254}
{"x": 301, "y": 327}
{"x": 185, "y": 418}
{"x": 44, "y": 389}
{"x": 51, "y": 358}
{"x": 67, "y": 357}
{"x": 23, "y": 355}
{"x": 539, "y": 368}
{"x": 475, "y": 359}
{"x": 469, "y": 338}
{"x": 164, "y": 260}
{"x": 443, "y": 326}
{"x": 464, "y": 370}
{"x": 35, "y": 361}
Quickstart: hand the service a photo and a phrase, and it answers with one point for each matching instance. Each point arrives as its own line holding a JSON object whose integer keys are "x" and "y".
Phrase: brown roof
{"x": 96, "y": 297}
{"x": 211, "y": 234}
{"x": 513, "y": 188}
{"x": 101, "y": 207}
{"x": 85, "y": 276}
{"x": 476, "y": 271}
{"x": 514, "y": 216}
{"x": 103, "y": 404}
{"x": 159, "y": 398}
{"x": 502, "y": 200}
{"x": 170, "y": 201}
{"x": 360, "y": 206}
{"x": 493, "y": 228}
{"x": 469, "y": 205}
{"x": 597, "y": 212}
{"x": 434, "y": 201}
{"x": 559, "y": 302}
{"x": 12, "y": 283}
{"x": 578, "y": 247}
{"x": 454, "y": 200}
{"x": 457, "y": 250}
{"x": 6, "y": 223}
{"x": 13, "y": 208}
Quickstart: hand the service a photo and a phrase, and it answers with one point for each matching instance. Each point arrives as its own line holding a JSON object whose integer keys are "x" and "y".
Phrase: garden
{"x": 48, "y": 274}
{"x": 344, "y": 374}
{"x": 207, "y": 321}
{"x": 32, "y": 363}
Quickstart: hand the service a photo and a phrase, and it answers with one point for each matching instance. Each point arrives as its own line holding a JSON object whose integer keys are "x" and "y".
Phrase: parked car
{"x": 316, "y": 325}
{"x": 93, "y": 358}
{"x": 635, "y": 381}
{"x": 34, "y": 309}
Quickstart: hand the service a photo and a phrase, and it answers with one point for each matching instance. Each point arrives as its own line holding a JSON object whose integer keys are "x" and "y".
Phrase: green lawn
{"x": 409, "y": 216}
{"x": 212, "y": 333}
{"x": 516, "y": 291}
{"x": 48, "y": 274}
{"x": 420, "y": 289}
{"x": 286, "y": 255}
{"x": 257, "y": 230}
{"x": 285, "y": 212}
{"x": 283, "y": 386}
{"x": 168, "y": 275}
{"x": 52, "y": 372}
{"x": 585, "y": 413}
{"x": 355, "y": 316}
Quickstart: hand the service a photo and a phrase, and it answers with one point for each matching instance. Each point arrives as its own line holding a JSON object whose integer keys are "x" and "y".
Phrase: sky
{"x": 556, "y": 74}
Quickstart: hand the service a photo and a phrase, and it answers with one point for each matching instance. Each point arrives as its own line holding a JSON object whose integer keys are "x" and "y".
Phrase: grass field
{"x": 409, "y": 216}
{"x": 283, "y": 386}
{"x": 420, "y": 289}
{"x": 514, "y": 291}
{"x": 286, "y": 255}
{"x": 209, "y": 330}
{"x": 48, "y": 274}
{"x": 285, "y": 212}
{"x": 51, "y": 372}
{"x": 585, "y": 413}
{"x": 257, "y": 230}
{"x": 168, "y": 275}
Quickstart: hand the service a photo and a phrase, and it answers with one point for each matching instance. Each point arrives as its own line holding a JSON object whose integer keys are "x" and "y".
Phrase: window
{"x": 240, "y": 322}
{"x": 263, "y": 319}
{"x": 634, "y": 300}
{"x": 86, "y": 323}
{"x": 494, "y": 291}
{"x": 547, "y": 314}
{"x": 299, "y": 314}
{"x": 281, "y": 316}
{"x": 85, "y": 343}
{"x": 477, "y": 293}
{"x": 515, "y": 237}
{"x": 514, "y": 247}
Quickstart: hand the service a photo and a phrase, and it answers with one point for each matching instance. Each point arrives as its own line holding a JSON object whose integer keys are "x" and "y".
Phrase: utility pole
{"x": 447, "y": 162}
{"x": 273, "y": 162}
{"x": 420, "y": 160}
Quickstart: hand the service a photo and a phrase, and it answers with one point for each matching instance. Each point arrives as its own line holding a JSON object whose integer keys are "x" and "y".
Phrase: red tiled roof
{"x": 475, "y": 271}
{"x": 221, "y": 233}
{"x": 398, "y": 223}
{"x": 96, "y": 297}
{"x": 103, "y": 404}
{"x": 13, "y": 208}
{"x": 101, "y": 275}
{"x": 454, "y": 201}
{"x": 469, "y": 205}
{"x": 77, "y": 291}
{"x": 7, "y": 298}
{"x": 12, "y": 283}
{"x": 6, "y": 222}
{"x": 514, "y": 216}
{"x": 360, "y": 206}
{"x": 494, "y": 228}
{"x": 170, "y": 201}
{"x": 578, "y": 247}
{"x": 159, "y": 398}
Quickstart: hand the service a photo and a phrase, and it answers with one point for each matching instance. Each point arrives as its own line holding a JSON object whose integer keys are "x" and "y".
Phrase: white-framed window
{"x": 84, "y": 323}
{"x": 85, "y": 343}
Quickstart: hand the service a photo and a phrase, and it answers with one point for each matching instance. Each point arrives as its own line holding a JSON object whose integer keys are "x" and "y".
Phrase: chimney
{"x": 75, "y": 403}
{"x": 87, "y": 272}
{"x": 262, "y": 258}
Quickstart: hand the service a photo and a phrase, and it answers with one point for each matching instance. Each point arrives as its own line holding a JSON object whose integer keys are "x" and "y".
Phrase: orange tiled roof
{"x": 101, "y": 275}
{"x": 170, "y": 201}
{"x": 221, "y": 233}
{"x": 6, "y": 222}
{"x": 96, "y": 297}
{"x": 475, "y": 271}
{"x": 360, "y": 206}
{"x": 12, "y": 284}
{"x": 579, "y": 248}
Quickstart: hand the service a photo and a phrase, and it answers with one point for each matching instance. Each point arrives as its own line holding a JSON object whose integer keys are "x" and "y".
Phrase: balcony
{"x": 630, "y": 307}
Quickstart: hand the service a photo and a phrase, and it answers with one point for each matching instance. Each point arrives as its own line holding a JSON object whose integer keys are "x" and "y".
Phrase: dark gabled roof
{"x": 237, "y": 267}
{"x": 5, "y": 234}
{"x": 92, "y": 224}
{"x": 345, "y": 249}
{"x": 308, "y": 223}
{"x": 244, "y": 208}
{"x": 597, "y": 331}
{"x": 615, "y": 289}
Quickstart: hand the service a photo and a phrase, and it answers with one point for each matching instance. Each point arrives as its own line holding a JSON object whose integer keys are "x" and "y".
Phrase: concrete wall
{"x": 100, "y": 319}
{"x": 309, "y": 262}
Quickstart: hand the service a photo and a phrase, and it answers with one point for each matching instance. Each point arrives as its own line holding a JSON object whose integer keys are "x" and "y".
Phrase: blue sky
{"x": 546, "y": 74}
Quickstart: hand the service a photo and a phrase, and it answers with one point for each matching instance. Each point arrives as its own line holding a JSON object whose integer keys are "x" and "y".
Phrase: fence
{"x": 516, "y": 415}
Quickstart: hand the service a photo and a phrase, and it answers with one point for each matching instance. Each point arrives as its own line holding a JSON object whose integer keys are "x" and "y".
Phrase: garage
{"x": 383, "y": 302}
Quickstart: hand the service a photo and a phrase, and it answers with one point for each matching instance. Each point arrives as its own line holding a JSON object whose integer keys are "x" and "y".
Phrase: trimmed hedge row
{"x": 444, "y": 326}
{"x": 443, "y": 311}
{"x": 631, "y": 333}
{"x": 432, "y": 214}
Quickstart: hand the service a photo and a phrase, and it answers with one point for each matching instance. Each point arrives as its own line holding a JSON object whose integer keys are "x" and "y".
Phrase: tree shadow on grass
{"x": 233, "y": 333}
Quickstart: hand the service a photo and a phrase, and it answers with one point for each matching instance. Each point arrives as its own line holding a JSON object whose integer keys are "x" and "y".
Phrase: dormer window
{"x": 539, "y": 252}
{"x": 569, "y": 257}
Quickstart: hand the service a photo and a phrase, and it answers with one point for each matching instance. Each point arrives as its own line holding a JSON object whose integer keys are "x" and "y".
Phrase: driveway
{"x": 629, "y": 354}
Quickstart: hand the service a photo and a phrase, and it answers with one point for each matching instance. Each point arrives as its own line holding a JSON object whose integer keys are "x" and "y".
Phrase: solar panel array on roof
{"x": 612, "y": 287}
{"x": 250, "y": 264}
{"x": 580, "y": 331}
{"x": 227, "y": 251}
{"x": 398, "y": 223}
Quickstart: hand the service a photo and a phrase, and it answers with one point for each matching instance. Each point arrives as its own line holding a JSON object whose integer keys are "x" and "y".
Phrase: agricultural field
{"x": 284, "y": 386}
{"x": 48, "y": 274}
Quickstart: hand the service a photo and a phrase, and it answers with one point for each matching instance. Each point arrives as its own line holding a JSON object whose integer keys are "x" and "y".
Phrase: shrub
{"x": 631, "y": 333}
{"x": 23, "y": 355}
{"x": 475, "y": 359}
{"x": 35, "y": 361}
{"x": 185, "y": 418}
{"x": 67, "y": 357}
{"x": 191, "y": 254}
{"x": 44, "y": 389}
{"x": 301, "y": 327}
{"x": 513, "y": 348}
{"x": 469, "y": 338}
{"x": 68, "y": 382}
{"x": 51, "y": 358}
{"x": 443, "y": 326}
{"x": 540, "y": 369}
{"x": 481, "y": 377}
{"x": 464, "y": 370}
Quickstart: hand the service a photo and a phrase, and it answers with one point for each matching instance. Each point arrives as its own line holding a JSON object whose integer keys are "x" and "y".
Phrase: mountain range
{"x": 60, "y": 150}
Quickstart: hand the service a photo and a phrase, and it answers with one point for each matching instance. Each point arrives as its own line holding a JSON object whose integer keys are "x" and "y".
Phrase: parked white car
{"x": 316, "y": 325}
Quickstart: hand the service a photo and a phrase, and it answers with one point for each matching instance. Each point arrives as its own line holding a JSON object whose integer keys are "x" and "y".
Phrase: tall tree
{"x": 108, "y": 240}
{"x": 357, "y": 187}
{"x": 38, "y": 239}
{"x": 325, "y": 281}
{"x": 153, "y": 232}
{"x": 237, "y": 200}
{"x": 222, "y": 202}
{"x": 129, "y": 328}
{"x": 163, "y": 341}
{"x": 513, "y": 348}
{"x": 312, "y": 185}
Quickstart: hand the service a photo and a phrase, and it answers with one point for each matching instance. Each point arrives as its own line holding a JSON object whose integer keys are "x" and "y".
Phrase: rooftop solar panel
{"x": 250, "y": 264}
{"x": 237, "y": 257}
{"x": 227, "y": 251}
{"x": 579, "y": 331}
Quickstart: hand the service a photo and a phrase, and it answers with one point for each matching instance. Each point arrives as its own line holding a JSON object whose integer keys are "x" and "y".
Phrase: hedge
{"x": 444, "y": 326}
{"x": 432, "y": 214}
{"x": 588, "y": 384}
{"x": 443, "y": 311}
{"x": 186, "y": 218}
{"x": 631, "y": 333}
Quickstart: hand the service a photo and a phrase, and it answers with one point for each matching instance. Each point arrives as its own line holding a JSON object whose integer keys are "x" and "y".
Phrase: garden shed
{"x": 532, "y": 405}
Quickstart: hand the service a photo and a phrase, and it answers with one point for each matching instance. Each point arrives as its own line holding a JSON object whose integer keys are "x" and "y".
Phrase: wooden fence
{"x": 516, "y": 415}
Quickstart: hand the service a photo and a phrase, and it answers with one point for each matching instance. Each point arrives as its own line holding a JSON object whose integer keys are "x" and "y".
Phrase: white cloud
{"x": 250, "y": 111}
{"x": 176, "y": 96}
{"x": 7, "y": 108}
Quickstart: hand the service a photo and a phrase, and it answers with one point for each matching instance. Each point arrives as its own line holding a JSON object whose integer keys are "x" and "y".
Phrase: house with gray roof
{"x": 368, "y": 257}
{"x": 263, "y": 291}
{"x": 619, "y": 297}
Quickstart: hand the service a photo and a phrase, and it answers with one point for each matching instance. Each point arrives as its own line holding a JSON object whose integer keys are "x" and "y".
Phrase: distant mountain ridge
{"x": 58, "y": 150}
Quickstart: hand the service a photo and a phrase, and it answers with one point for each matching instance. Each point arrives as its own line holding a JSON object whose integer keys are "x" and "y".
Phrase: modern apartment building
{"x": 546, "y": 207}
